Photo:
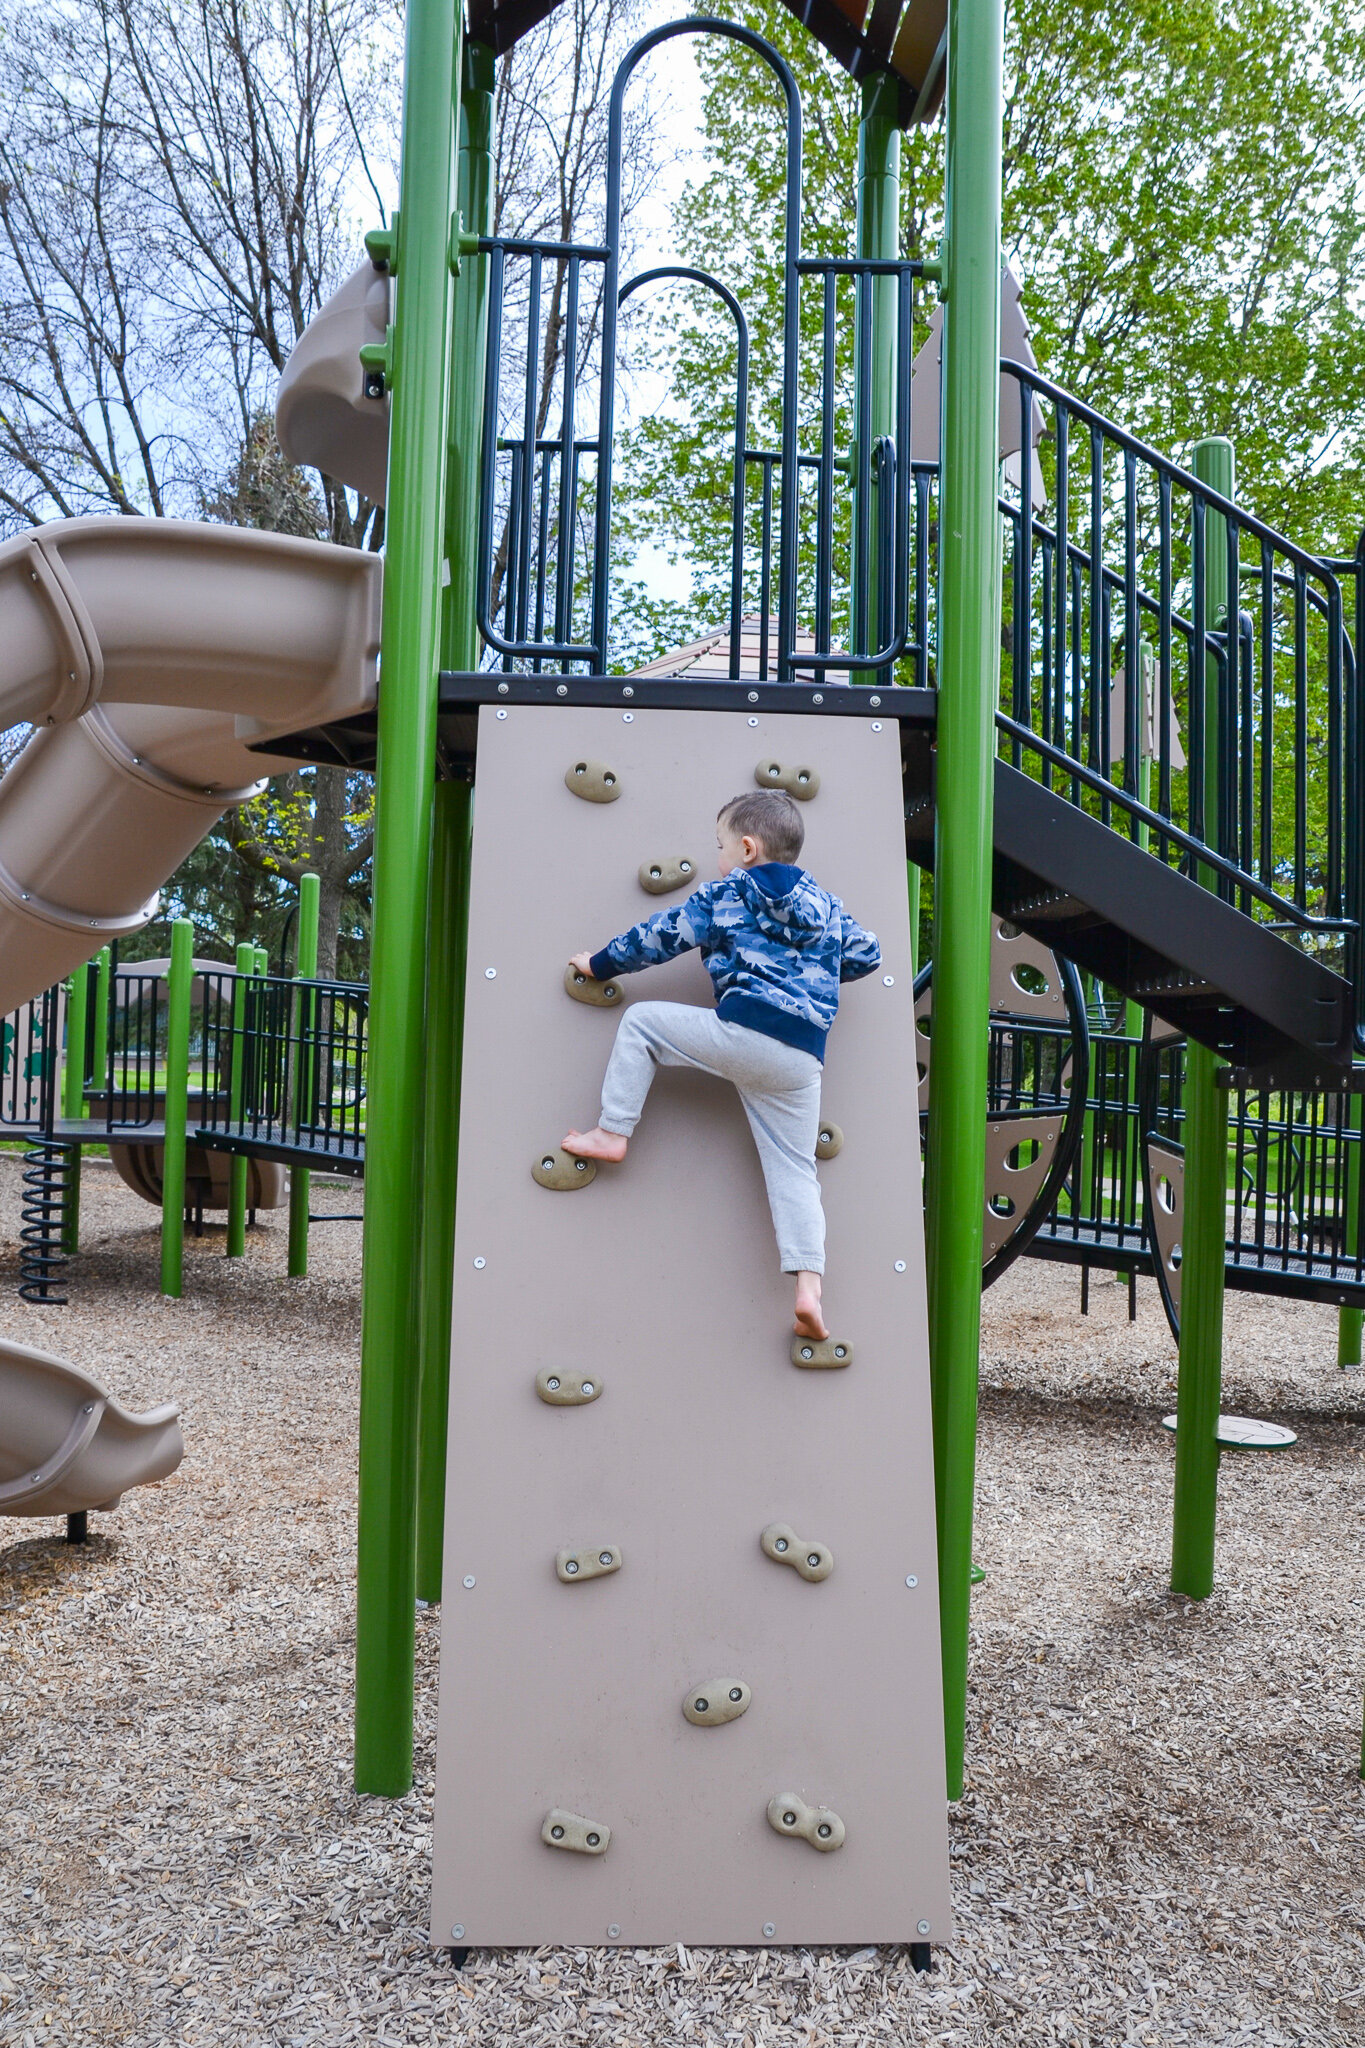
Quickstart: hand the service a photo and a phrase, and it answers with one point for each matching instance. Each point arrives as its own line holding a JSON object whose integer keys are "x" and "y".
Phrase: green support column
{"x": 1204, "y": 1238}
{"x": 104, "y": 974}
{"x": 419, "y": 372}
{"x": 178, "y": 984}
{"x": 452, "y": 826}
{"x": 305, "y": 1008}
{"x": 73, "y": 1100}
{"x": 969, "y": 662}
{"x": 237, "y": 1172}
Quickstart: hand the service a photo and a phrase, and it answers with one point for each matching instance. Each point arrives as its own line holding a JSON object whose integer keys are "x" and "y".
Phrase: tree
{"x": 1182, "y": 197}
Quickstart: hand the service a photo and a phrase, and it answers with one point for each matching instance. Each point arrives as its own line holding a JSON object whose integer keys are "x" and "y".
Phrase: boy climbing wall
{"x": 776, "y": 946}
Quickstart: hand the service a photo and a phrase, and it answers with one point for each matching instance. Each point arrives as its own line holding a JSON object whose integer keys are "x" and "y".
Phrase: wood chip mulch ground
{"x": 1163, "y": 1834}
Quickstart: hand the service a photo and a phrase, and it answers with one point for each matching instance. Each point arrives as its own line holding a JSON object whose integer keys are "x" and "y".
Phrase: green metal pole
{"x": 969, "y": 657}
{"x": 73, "y": 1100}
{"x": 305, "y": 969}
{"x": 1350, "y": 1320}
{"x": 237, "y": 1172}
{"x": 878, "y": 231}
{"x": 452, "y": 827}
{"x": 178, "y": 984}
{"x": 1204, "y": 1240}
{"x": 419, "y": 368}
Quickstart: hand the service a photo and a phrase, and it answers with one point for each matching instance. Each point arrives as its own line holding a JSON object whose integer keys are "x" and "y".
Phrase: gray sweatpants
{"x": 778, "y": 1085}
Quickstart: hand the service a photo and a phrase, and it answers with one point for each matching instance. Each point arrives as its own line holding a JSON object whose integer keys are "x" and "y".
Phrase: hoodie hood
{"x": 785, "y": 902}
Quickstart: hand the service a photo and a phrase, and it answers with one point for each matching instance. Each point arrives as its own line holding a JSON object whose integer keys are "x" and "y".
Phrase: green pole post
{"x": 104, "y": 974}
{"x": 237, "y": 1172}
{"x": 452, "y": 827}
{"x": 879, "y": 206}
{"x": 969, "y": 658}
{"x": 1204, "y": 1240}
{"x": 73, "y": 1099}
{"x": 305, "y": 1008}
{"x": 419, "y": 372}
{"x": 179, "y": 980}
{"x": 1350, "y": 1320}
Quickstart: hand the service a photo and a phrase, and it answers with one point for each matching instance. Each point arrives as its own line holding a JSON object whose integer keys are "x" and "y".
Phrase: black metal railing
{"x": 282, "y": 1069}
{"x": 1111, "y": 666}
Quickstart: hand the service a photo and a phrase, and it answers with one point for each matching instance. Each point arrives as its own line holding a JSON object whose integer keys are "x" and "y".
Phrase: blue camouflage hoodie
{"x": 776, "y": 946}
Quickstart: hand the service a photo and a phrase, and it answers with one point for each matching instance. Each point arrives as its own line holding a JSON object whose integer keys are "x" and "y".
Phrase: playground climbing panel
{"x": 704, "y": 1458}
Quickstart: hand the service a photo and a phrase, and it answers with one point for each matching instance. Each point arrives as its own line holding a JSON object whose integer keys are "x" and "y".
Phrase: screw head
{"x": 572, "y": 1566}
{"x": 753, "y": 696}
{"x": 588, "y": 1387}
{"x": 812, "y": 1558}
{"x": 684, "y": 867}
{"x": 629, "y": 690}
{"x": 753, "y": 721}
{"x": 614, "y": 1931}
{"x": 553, "y": 1383}
{"x": 736, "y": 1692}
{"x": 593, "y": 1840}
{"x": 503, "y": 689}
{"x": 605, "y": 1557}
{"x": 457, "y": 1931}
{"x": 502, "y": 714}
{"x": 557, "y": 1833}
{"x": 912, "y": 1581}
{"x": 789, "y": 1820}
{"x": 922, "y": 1926}
{"x": 818, "y": 698}
{"x": 823, "y": 1831}
{"x": 627, "y": 718}
{"x": 780, "y": 1544}
{"x": 888, "y": 981}
{"x": 874, "y": 702}
{"x": 900, "y": 1265}
{"x": 469, "y": 1582}
{"x": 701, "y": 1706}
{"x": 806, "y": 1351}
{"x": 562, "y": 690}
{"x": 876, "y": 724}
{"x": 769, "y": 1927}
{"x": 490, "y": 973}
{"x": 479, "y": 1265}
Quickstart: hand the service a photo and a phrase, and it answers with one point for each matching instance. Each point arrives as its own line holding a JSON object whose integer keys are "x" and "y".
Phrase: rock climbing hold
{"x": 818, "y": 1825}
{"x": 829, "y": 1141}
{"x": 593, "y": 781}
{"x": 660, "y": 877}
{"x": 593, "y": 1561}
{"x": 812, "y": 1559}
{"x": 603, "y": 995}
{"x": 560, "y": 1171}
{"x": 715, "y": 1702}
{"x": 562, "y": 1830}
{"x": 812, "y": 1352}
{"x": 558, "y": 1387}
{"x": 801, "y": 782}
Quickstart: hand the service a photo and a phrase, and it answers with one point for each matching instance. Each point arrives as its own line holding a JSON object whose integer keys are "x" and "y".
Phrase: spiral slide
{"x": 153, "y": 655}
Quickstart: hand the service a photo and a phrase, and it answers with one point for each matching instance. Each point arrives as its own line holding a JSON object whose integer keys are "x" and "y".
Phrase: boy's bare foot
{"x": 596, "y": 1144}
{"x": 809, "y": 1320}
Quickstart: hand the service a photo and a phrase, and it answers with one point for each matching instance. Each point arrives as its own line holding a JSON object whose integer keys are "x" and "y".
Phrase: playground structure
{"x": 1211, "y": 895}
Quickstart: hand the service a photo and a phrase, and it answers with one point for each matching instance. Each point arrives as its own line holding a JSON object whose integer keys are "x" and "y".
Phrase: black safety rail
{"x": 1294, "y": 1177}
{"x": 282, "y": 1071}
{"x": 1105, "y": 601}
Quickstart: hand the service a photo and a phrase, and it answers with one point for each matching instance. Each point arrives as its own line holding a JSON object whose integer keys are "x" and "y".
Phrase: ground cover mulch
{"x": 1163, "y": 1833}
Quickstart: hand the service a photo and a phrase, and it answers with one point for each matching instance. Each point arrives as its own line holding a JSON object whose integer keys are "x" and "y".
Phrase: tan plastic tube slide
{"x": 322, "y": 415}
{"x": 151, "y": 653}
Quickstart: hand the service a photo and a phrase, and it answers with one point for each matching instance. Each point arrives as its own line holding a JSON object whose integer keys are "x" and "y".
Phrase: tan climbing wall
{"x": 659, "y": 1282}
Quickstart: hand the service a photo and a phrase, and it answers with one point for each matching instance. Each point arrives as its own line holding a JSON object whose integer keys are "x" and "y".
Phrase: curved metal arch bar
{"x": 697, "y": 25}
{"x": 682, "y": 273}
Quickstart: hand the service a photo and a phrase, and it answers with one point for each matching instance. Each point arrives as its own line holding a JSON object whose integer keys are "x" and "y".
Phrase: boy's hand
{"x": 581, "y": 963}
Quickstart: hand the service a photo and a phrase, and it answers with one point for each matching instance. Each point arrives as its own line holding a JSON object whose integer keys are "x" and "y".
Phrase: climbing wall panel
{"x": 628, "y": 1651}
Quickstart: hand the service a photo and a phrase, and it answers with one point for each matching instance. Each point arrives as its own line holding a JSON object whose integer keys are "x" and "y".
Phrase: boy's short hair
{"x": 771, "y": 817}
